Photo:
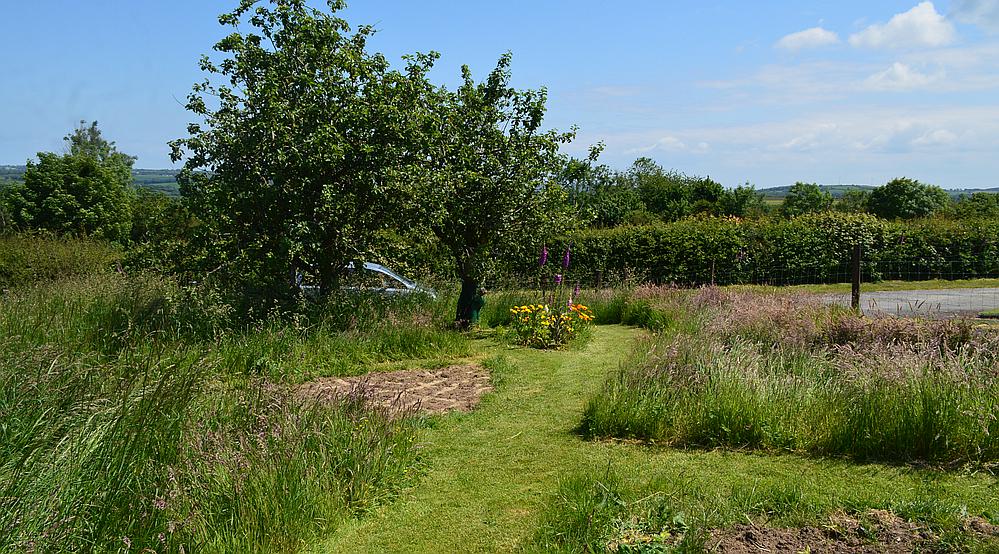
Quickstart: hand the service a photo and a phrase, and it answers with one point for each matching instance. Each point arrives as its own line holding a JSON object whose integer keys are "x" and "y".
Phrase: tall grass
{"x": 108, "y": 314}
{"x": 140, "y": 415}
{"x": 767, "y": 373}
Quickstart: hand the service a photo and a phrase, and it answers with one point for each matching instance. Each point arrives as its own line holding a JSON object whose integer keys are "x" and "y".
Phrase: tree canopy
{"x": 307, "y": 147}
{"x": 904, "y": 198}
{"x": 493, "y": 173}
{"x": 86, "y": 191}
{"x": 805, "y": 198}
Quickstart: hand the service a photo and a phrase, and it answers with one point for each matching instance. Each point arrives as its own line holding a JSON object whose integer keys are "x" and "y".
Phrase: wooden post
{"x": 855, "y": 289}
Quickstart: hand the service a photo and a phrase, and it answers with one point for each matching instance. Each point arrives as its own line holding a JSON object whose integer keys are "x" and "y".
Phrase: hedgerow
{"x": 811, "y": 248}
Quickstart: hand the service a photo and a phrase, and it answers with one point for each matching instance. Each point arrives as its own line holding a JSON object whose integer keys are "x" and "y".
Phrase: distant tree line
{"x": 646, "y": 193}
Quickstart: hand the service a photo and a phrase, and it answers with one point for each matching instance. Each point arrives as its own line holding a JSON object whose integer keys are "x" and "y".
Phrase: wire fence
{"x": 924, "y": 287}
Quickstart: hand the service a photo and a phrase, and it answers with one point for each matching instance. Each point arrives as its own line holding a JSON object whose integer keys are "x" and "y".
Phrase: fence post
{"x": 855, "y": 289}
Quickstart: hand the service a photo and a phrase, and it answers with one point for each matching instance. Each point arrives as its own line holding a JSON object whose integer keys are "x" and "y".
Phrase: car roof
{"x": 382, "y": 269}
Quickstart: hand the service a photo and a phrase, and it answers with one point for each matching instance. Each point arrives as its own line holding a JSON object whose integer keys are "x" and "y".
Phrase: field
{"x": 141, "y": 415}
{"x": 157, "y": 180}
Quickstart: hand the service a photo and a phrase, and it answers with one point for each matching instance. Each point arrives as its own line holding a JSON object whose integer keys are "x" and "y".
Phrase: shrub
{"x": 29, "y": 259}
{"x": 905, "y": 198}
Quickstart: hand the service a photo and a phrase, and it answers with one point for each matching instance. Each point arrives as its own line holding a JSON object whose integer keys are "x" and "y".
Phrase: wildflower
{"x": 544, "y": 256}
{"x": 565, "y": 258}
{"x": 558, "y": 278}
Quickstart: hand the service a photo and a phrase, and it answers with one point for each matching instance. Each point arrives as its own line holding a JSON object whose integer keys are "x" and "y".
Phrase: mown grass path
{"x": 491, "y": 471}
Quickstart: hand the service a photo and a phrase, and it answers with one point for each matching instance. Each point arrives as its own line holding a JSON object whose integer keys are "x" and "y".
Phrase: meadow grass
{"x": 168, "y": 429}
{"x": 666, "y": 510}
{"x": 788, "y": 375}
{"x": 107, "y": 314}
{"x": 140, "y": 415}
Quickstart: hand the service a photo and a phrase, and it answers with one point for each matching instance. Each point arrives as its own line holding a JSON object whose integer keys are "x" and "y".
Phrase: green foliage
{"x": 666, "y": 194}
{"x": 307, "y": 150}
{"x": 493, "y": 182}
{"x": 493, "y": 189}
{"x": 805, "y": 198}
{"x": 980, "y": 205}
{"x": 853, "y": 201}
{"x": 604, "y": 200}
{"x": 165, "y": 237}
{"x": 29, "y": 259}
{"x": 690, "y": 250}
{"x": 612, "y": 205}
{"x": 905, "y": 198}
{"x": 672, "y": 196}
{"x": 742, "y": 201}
{"x": 6, "y": 221}
{"x": 85, "y": 192}
{"x": 812, "y": 248}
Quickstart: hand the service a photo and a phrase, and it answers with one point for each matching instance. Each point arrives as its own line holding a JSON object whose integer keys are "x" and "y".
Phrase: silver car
{"x": 373, "y": 278}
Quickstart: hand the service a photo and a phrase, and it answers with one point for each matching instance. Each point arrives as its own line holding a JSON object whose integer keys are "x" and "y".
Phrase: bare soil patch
{"x": 453, "y": 388}
{"x": 878, "y": 532}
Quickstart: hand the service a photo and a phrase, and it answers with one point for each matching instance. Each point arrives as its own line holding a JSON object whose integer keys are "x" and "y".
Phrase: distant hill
{"x": 836, "y": 190}
{"x": 161, "y": 180}
{"x": 778, "y": 193}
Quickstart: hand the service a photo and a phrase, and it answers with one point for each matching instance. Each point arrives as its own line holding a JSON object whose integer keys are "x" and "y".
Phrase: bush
{"x": 29, "y": 259}
{"x": 905, "y": 198}
{"x": 85, "y": 191}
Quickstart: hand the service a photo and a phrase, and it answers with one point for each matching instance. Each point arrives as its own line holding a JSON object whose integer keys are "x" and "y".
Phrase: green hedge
{"x": 27, "y": 259}
{"x": 813, "y": 248}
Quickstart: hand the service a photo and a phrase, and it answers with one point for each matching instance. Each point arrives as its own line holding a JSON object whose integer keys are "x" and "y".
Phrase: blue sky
{"x": 767, "y": 92}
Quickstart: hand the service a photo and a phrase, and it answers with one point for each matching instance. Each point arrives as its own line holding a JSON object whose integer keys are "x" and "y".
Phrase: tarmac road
{"x": 924, "y": 303}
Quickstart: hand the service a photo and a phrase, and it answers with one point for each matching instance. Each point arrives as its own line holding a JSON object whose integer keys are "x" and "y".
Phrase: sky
{"x": 769, "y": 92}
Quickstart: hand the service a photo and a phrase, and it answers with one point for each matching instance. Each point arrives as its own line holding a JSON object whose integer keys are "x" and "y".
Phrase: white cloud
{"x": 670, "y": 143}
{"x": 817, "y": 136}
{"x": 937, "y": 137}
{"x": 984, "y": 13}
{"x": 899, "y": 76}
{"x": 919, "y": 27}
{"x": 809, "y": 38}
{"x": 838, "y": 134}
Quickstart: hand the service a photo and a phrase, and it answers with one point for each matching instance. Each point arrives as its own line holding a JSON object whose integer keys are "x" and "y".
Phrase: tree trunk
{"x": 463, "y": 315}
